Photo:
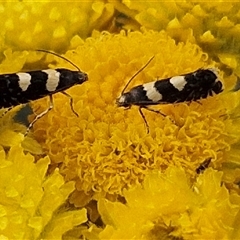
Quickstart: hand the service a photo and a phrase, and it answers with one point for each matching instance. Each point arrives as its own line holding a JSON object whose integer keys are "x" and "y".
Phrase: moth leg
{"x": 40, "y": 115}
{"x": 158, "y": 112}
{"x": 153, "y": 110}
{"x": 197, "y": 101}
{"x": 6, "y": 111}
{"x": 143, "y": 117}
{"x": 70, "y": 102}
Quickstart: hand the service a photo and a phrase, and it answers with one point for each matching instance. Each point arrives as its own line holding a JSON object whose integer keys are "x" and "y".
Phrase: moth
{"x": 23, "y": 87}
{"x": 189, "y": 87}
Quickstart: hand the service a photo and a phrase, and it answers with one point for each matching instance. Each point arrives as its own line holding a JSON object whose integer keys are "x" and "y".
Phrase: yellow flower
{"x": 50, "y": 24}
{"x": 107, "y": 148}
{"x": 212, "y": 25}
{"x": 166, "y": 206}
{"x": 30, "y": 202}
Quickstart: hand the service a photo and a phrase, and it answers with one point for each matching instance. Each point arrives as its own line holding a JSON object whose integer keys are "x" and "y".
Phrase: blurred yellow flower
{"x": 107, "y": 149}
{"x": 49, "y": 24}
{"x": 167, "y": 206}
{"x": 31, "y": 204}
{"x": 214, "y": 25}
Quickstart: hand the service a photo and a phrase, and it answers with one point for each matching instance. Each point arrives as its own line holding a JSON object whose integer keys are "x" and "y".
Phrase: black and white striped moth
{"x": 23, "y": 87}
{"x": 184, "y": 88}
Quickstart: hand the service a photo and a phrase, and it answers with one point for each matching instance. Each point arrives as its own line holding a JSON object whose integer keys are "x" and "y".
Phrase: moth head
{"x": 82, "y": 77}
{"x": 123, "y": 100}
{"x": 126, "y": 99}
{"x": 218, "y": 86}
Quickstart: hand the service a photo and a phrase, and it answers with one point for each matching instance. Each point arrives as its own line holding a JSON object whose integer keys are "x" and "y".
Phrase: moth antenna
{"x": 55, "y": 54}
{"x": 140, "y": 70}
